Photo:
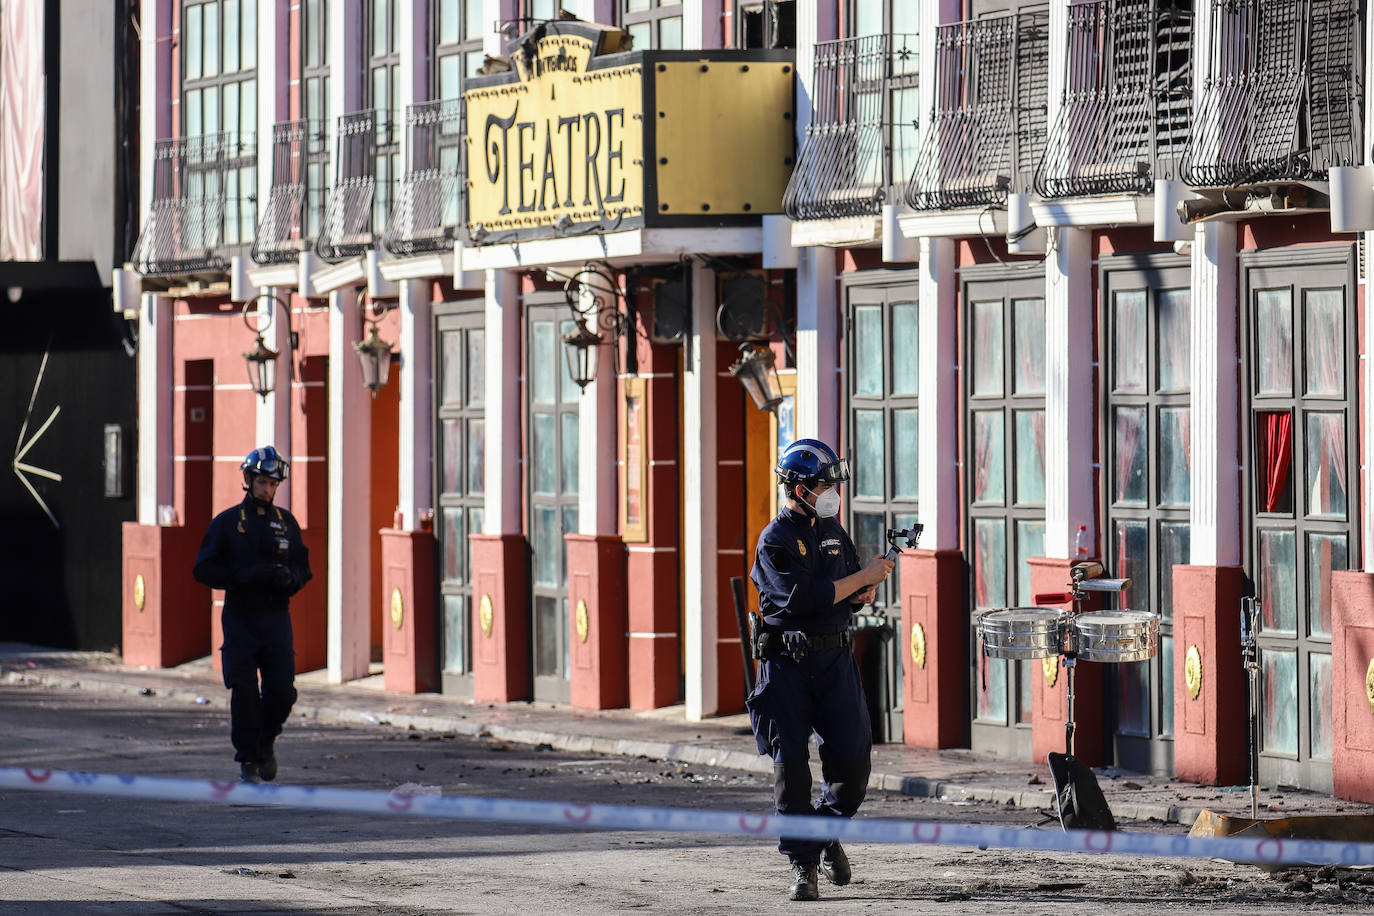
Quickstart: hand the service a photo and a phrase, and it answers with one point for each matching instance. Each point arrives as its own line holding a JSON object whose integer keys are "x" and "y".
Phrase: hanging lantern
{"x": 579, "y": 347}
{"x": 756, "y": 372}
{"x": 374, "y": 354}
{"x": 261, "y": 362}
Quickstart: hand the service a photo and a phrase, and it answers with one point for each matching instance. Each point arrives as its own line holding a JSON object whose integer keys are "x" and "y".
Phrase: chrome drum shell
{"x": 1022, "y": 632}
{"x": 1114, "y": 636}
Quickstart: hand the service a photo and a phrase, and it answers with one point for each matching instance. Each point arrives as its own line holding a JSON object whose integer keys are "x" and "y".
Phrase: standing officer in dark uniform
{"x": 809, "y": 580}
{"x": 255, "y": 553}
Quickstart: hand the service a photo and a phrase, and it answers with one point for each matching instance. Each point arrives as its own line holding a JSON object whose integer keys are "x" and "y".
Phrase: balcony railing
{"x": 1284, "y": 97}
{"x": 348, "y": 216}
{"x": 203, "y": 201}
{"x": 988, "y": 130}
{"x": 426, "y": 214}
{"x": 862, "y": 135}
{"x": 1127, "y": 102}
{"x": 291, "y": 218}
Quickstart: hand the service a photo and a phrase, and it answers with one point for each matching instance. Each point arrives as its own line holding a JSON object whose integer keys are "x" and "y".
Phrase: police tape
{"x": 1262, "y": 850}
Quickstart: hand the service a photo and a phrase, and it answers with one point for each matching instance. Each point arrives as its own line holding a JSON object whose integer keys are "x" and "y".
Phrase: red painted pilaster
{"x": 598, "y": 621}
{"x": 1352, "y": 685}
{"x": 1209, "y": 730}
{"x": 1050, "y": 701}
{"x": 410, "y": 638}
{"x": 500, "y": 618}
{"x": 165, "y": 610}
{"x": 934, "y": 640}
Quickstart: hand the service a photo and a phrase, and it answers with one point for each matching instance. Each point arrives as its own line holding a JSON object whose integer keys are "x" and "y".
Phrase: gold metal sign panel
{"x": 572, "y": 141}
{"x": 1192, "y": 671}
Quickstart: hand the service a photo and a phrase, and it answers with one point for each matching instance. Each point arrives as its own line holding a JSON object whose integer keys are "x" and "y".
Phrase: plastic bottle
{"x": 1081, "y": 549}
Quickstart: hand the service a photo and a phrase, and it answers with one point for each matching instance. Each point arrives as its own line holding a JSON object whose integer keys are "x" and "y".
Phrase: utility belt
{"x": 770, "y": 643}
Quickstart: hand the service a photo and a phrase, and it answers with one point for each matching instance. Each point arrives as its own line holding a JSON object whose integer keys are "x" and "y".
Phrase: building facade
{"x": 68, "y": 406}
{"x": 1064, "y": 280}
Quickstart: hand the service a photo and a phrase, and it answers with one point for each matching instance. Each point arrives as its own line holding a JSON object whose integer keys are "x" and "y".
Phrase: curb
{"x": 914, "y": 786}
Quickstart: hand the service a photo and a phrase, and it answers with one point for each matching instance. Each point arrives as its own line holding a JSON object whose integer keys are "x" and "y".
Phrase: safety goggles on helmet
{"x": 271, "y": 467}
{"x": 835, "y": 472}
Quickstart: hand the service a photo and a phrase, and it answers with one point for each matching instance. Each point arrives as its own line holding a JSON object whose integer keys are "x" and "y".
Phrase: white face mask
{"x": 828, "y": 503}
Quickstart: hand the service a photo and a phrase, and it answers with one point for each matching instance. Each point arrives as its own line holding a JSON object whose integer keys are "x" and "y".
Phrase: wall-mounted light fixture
{"x": 749, "y": 316}
{"x": 374, "y": 353}
{"x": 605, "y": 311}
{"x": 261, "y": 359}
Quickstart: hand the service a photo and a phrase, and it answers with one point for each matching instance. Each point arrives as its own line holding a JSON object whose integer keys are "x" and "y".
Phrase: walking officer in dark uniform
{"x": 809, "y": 580}
{"x": 255, "y": 553}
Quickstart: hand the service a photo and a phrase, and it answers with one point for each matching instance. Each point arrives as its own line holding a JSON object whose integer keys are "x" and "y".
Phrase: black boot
{"x": 834, "y": 863}
{"x": 248, "y": 772}
{"x": 267, "y": 763}
{"x": 804, "y": 883}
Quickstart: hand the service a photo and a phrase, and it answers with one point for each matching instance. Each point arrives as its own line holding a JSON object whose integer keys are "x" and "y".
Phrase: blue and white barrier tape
{"x": 683, "y": 820}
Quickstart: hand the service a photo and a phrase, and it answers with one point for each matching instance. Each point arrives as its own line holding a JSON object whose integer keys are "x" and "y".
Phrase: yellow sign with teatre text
{"x": 571, "y": 141}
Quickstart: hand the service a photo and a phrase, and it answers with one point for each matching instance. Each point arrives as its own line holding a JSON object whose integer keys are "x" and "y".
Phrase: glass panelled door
{"x": 1302, "y": 374}
{"x": 1146, "y": 332}
{"x": 460, "y": 449}
{"x": 551, "y": 480}
{"x": 1004, "y": 463}
{"x": 882, "y": 437}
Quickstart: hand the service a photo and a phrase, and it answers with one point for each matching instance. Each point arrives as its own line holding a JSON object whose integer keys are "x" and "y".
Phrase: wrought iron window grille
{"x": 1284, "y": 96}
{"x": 426, "y": 213}
{"x": 348, "y": 228}
{"x": 862, "y": 129}
{"x": 280, "y": 236}
{"x": 1127, "y": 100}
{"x": 203, "y": 200}
{"x": 987, "y": 131}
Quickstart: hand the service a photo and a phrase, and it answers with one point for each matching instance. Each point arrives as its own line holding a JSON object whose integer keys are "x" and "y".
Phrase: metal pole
{"x": 1249, "y": 625}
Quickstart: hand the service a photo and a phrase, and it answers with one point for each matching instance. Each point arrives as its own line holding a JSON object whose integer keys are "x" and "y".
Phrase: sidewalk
{"x": 951, "y": 775}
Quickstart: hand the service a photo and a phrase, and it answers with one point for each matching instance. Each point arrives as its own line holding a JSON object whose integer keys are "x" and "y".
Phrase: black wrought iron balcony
{"x": 349, "y": 214}
{"x": 1127, "y": 104}
{"x": 863, "y": 130}
{"x": 1283, "y": 98}
{"x": 204, "y": 200}
{"x": 291, "y": 218}
{"x": 426, "y": 214}
{"x": 988, "y": 130}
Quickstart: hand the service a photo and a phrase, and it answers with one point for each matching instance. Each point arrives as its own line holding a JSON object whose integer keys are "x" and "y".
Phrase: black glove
{"x": 283, "y": 578}
{"x": 258, "y": 575}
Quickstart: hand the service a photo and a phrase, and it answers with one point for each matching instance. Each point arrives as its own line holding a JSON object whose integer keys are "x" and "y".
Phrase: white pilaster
{"x": 415, "y": 487}
{"x": 411, "y": 79}
{"x": 598, "y": 448}
{"x": 155, "y": 372}
{"x": 1366, "y": 395}
{"x": 1214, "y": 510}
{"x": 818, "y": 348}
{"x": 493, "y": 42}
{"x": 503, "y": 459}
{"x": 272, "y": 86}
{"x": 699, "y": 488}
{"x": 155, "y": 92}
{"x": 349, "y": 576}
{"x": 938, "y": 354}
{"x": 1069, "y": 497}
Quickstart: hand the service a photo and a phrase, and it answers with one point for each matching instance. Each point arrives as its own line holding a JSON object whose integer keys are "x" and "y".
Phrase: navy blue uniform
{"x": 260, "y": 561}
{"x": 796, "y": 564}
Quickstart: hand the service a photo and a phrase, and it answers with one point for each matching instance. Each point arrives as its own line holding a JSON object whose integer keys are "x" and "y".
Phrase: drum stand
{"x": 1249, "y": 629}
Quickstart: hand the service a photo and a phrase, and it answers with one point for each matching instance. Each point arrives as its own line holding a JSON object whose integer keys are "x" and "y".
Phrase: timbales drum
{"x": 1022, "y": 632}
{"x": 1114, "y": 636}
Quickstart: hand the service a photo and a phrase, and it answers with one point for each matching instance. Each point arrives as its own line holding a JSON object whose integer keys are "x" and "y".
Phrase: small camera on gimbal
{"x": 897, "y": 535}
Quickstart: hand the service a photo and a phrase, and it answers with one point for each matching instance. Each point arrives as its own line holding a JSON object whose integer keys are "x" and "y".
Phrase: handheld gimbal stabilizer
{"x": 909, "y": 535}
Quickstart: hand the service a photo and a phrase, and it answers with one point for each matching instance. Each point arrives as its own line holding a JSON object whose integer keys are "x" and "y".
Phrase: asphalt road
{"x": 69, "y": 854}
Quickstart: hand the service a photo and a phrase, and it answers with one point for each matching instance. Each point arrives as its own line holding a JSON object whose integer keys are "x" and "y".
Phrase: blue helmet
{"x": 266, "y": 462}
{"x": 811, "y": 461}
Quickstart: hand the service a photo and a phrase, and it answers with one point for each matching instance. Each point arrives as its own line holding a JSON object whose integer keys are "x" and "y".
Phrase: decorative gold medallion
{"x": 485, "y": 618}
{"x": 801, "y": 547}
{"x": 140, "y": 591}
{"x": 398, "y": 612}
{"x": 1050, "y": 668}
{"x": 1369, "y": 684}
{"x": 1192, "y": 671}
{"x": 918, "y": 645}
{"x": 581, "y": 621}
